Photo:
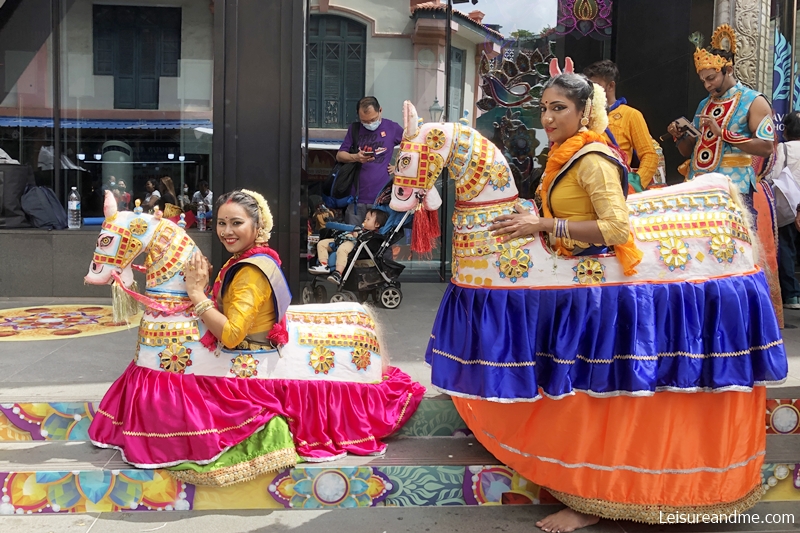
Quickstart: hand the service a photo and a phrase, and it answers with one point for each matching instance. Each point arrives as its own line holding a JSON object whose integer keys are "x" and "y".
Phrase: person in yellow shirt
{"x": 626, "y": 125}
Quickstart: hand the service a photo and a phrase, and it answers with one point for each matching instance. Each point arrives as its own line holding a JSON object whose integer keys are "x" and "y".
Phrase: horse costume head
{"x": 480, "y": 170}
{"x": 127, "y": 234}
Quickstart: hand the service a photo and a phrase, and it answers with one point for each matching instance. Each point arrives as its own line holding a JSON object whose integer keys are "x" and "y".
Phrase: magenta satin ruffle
{"x": 161, "y": 419}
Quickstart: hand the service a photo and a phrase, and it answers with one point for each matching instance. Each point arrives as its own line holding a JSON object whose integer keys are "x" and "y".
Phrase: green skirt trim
{"x": 269, "y": 449}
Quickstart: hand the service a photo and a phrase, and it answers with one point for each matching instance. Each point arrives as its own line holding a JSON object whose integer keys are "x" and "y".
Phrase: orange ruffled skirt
{"x": 632, "y": 458}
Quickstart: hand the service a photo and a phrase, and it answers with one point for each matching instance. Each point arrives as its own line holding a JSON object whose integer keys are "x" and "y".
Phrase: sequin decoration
{"x": 500, "y": 177}
{"x": 589, "y": 272}
{"x": 332, "y": 336}
{"x": 361, "y": 358}
{"x": 138, "y": 226}
{"x": 514, "y": 263}
{"x": 321, "y": 360}
{"x": 723, "y": 248}
{"x": 244, "y": 366}
{"x": 435, "y": 139}
{"x": 175, "y": 358}
{"x": 674, "y": 252}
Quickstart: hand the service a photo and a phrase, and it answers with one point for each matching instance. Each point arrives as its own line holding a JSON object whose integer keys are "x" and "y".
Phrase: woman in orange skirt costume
{"x": 627, "y": 395}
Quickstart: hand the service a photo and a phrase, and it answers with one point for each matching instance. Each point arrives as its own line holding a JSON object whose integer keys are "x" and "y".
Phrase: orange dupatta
{"x": 628, "y": 254}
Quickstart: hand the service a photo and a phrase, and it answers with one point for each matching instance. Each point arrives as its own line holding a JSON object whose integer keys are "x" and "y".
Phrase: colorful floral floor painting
{"x": 300, "y": 488}
{"x": 58, "y": 322}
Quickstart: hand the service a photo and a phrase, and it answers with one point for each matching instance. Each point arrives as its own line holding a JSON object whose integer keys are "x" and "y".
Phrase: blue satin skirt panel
{"x": 605, "y": 340}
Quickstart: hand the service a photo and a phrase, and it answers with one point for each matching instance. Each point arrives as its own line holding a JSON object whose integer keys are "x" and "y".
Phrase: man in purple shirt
{"x": 377, "y": 138}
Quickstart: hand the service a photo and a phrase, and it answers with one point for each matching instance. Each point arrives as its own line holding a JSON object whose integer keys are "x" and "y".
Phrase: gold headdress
{"x": 724, "y": 38}
{"x": 265, "y": 224}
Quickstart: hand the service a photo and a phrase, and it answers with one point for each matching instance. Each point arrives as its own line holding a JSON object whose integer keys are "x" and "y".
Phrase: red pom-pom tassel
{"x": 279, "y": 335}
{"x": 425, "y": 231}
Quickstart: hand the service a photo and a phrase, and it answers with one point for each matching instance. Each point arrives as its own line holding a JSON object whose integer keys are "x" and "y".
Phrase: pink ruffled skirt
{"x": 160, "y": 419}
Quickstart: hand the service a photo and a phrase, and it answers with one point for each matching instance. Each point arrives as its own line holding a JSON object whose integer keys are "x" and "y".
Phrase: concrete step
{"x": 65, "y": 476}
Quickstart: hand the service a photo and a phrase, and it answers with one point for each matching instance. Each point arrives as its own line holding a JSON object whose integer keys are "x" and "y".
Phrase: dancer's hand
{"x": 520, "y": 224}
{"x": 197, "y": 272}
{"x": 710, "y": 123}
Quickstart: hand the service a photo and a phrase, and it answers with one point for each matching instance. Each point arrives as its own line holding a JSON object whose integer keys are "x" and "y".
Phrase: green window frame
{"x": 336, "y": 59}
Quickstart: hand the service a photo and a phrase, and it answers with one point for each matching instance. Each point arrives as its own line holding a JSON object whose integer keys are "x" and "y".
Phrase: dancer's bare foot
{"x": 566, "y": 520}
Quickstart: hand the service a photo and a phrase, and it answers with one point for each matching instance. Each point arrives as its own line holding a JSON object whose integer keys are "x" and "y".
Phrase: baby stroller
{"x": 369, "y": 271}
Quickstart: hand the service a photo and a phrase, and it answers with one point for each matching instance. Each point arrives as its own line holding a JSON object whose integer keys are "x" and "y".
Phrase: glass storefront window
{"x": 357, "y": 49}
{"x": 110, "y": 97}
{"x": 136, "y": 101}
{"x": 26, "y": 105}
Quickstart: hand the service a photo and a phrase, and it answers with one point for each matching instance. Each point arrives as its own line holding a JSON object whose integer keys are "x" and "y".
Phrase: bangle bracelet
{"x": 202, "y": 307}
{"x": 566, "y": 230}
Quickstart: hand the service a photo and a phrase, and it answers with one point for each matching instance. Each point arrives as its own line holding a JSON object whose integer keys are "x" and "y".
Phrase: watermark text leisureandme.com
{"x": 732, "y": 518}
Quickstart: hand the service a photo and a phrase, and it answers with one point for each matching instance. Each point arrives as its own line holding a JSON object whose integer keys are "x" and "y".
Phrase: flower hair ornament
{"x": 595, "y": 117}
{"x": 265, "y": 216}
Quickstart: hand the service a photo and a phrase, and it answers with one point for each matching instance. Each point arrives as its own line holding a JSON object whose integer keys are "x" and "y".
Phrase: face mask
{"x": 186, "y": 189}
{"x": 372, "y": 126}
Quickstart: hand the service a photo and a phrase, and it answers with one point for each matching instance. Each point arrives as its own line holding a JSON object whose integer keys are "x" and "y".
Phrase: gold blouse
{"x": 591, "y": 190}
{"x": 247, "y": 304}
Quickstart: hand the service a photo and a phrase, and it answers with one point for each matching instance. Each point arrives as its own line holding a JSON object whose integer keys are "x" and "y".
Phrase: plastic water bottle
{"x": 74, "y": 209}
{"x": 201, "y": 216}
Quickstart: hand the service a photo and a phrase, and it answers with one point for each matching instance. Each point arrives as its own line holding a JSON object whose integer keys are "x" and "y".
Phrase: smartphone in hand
{"x": 684, "y": 126}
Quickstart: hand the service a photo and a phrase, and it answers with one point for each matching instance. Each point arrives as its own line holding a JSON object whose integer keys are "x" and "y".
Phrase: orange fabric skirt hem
{"x": 657, "y": 514}
{"x": 681, "y": 450}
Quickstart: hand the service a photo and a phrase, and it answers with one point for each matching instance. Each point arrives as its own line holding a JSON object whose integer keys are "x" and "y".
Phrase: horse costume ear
{"x": 410, "y": 120}
{"x": 555, "y": 70}
{"x": 109, "y": 205}
{"x": 569, "y": 67}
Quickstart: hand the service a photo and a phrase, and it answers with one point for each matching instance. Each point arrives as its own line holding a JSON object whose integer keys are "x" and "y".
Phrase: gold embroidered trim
{"x": 403, "y": 410}
{"x": 241, "y": 472}
{"x": 481, "y": 361}
{"x": 353, "y": 318}
{"x": 472, "y": 216}
{"x": 109, "y": 416}
{"x": 359, "y": 441}
{"x": 191, "y": 433}
{"x": 653, "y": 513}
{"x": 315, "y": 444}
{"x": 329, "y": 337}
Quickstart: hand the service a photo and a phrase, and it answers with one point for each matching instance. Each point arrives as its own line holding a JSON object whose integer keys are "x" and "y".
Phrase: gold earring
{"x": 585, "y": 121}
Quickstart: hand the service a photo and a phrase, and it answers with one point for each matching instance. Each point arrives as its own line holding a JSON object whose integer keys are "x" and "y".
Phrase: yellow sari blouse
{"x": 591, "y": 190}
{"x": 248, "y": 305}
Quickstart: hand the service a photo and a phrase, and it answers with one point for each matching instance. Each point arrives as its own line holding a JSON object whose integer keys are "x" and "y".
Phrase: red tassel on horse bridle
{"x": 425, "y": 231}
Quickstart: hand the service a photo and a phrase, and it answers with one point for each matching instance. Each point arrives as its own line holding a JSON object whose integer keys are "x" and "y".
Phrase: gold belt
{"x": 736, "y": 160}
{"x": 254, "y": 345}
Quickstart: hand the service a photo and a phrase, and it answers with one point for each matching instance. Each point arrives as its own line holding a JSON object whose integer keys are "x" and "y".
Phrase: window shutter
{"x": 456, "y": 84}
{"x": 313, "y": 85}
{"x": 332, "y": 74}
{"x": 336, "y": 71}
{"x": 149, "y": 44}
{"x": 124, "y": 69}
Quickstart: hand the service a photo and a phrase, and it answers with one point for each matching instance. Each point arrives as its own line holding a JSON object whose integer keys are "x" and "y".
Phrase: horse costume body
{"x": 579, "y": 376}
{"x": 181, "y": 401}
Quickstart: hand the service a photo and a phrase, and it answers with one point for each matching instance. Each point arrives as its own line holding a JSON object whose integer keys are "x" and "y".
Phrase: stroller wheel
{"x": 390, "y": 297}
{"x": 344, "y": 296}
{"x": 308, "y": 294}
{"x": 320, "y": 294}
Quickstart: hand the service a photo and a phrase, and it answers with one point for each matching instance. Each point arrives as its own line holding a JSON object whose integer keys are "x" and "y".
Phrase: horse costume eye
{"x": 403, "y": 162}
{"x": 105, "y": 240}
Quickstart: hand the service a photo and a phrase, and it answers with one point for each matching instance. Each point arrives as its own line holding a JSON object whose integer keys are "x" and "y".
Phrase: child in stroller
{"x": 343, "y": 242}
{"x": 362, "y": 268}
